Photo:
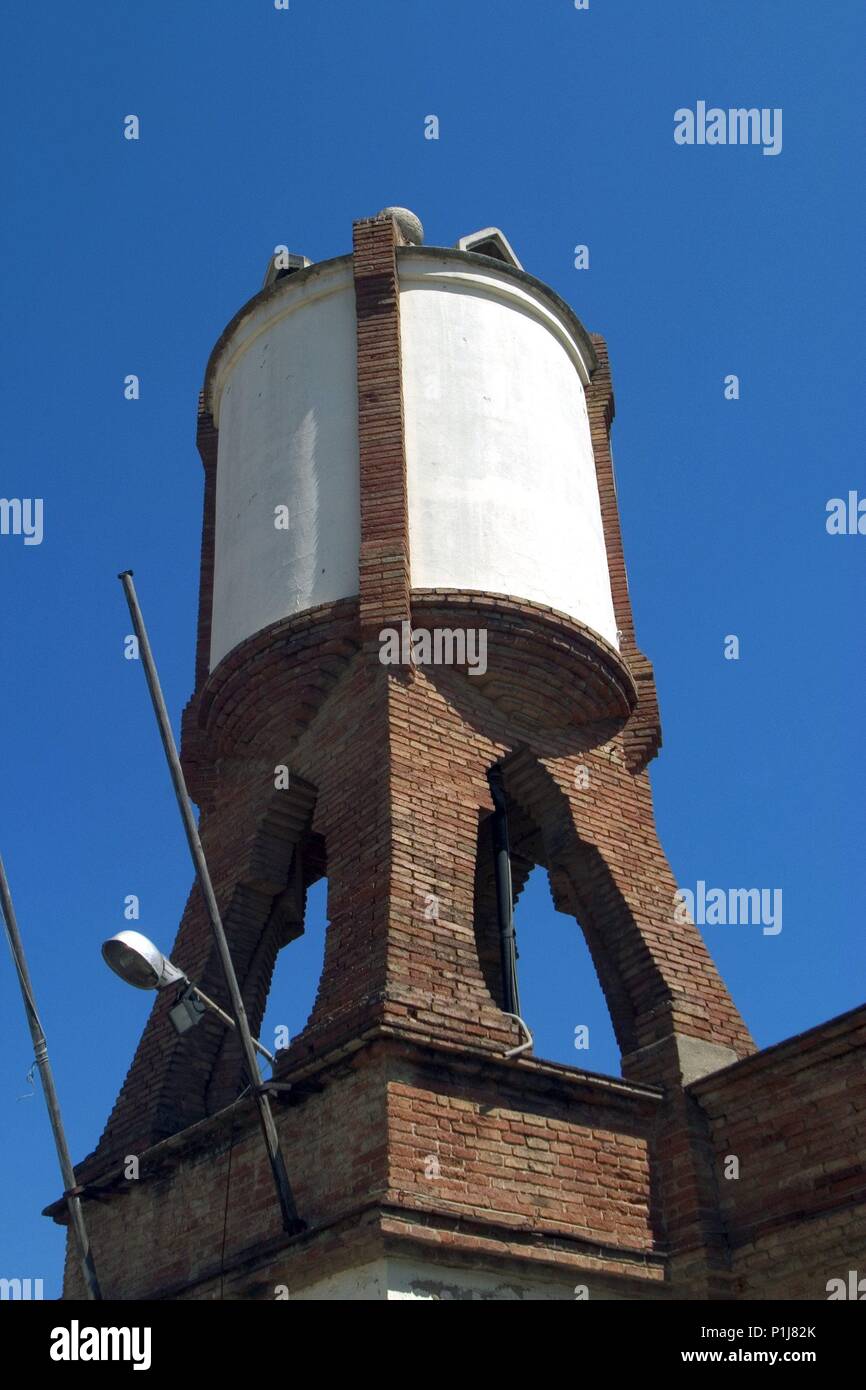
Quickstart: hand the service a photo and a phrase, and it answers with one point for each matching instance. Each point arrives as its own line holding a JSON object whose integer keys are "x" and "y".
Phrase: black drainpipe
{"x": 504, "y": 893}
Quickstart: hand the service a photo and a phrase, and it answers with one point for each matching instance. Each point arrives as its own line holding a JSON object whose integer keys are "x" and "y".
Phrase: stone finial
{"x": 409, "y": 225}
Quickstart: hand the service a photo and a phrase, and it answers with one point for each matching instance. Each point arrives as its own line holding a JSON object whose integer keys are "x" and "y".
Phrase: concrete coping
{"x": 291, "y": 284}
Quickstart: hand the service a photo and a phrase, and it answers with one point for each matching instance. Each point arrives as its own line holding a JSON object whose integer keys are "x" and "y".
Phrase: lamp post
{"x": 40, "y": 1052}
{"x": 291, "y": 1221}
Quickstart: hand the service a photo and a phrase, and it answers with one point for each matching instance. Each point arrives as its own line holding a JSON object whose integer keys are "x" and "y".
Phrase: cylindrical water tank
{"x": 502, "y": 490}
{"x": 284, "y": 397}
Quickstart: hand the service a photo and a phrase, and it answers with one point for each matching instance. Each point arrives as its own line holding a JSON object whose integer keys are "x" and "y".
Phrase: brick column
{"x": 384, "y": 558}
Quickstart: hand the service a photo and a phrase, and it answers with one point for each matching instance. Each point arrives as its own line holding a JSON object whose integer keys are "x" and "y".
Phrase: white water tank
{"x": 284, "y": 396}
{"x": 502, "y": 489}
{"x": 501, "y": 479}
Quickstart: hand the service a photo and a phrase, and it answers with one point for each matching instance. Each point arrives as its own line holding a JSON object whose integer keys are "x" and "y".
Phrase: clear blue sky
{"x": 260, "y": 127}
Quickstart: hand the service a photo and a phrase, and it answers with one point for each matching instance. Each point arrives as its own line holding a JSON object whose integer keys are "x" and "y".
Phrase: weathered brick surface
{"x": 407, "y": 1147}
{"x": 544, "y": 1162}
{"x": 384, "y": 557}
{"x": 535, "y": 1163}
{"x": 795, "y": 1117}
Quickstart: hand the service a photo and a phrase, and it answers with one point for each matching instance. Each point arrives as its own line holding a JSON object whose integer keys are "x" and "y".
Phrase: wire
{"x": 228, "y": 1188}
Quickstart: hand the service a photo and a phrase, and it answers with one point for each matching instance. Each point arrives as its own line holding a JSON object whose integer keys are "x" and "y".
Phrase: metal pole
{"x": 40, "y": 1052}
{"x": 291, "y": 1220}
{"x": 229, "y": 1021}
{"x": 504, "y": 893}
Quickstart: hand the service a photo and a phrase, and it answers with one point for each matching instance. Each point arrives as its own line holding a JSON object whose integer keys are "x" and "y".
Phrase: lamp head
{"x": 137, "y": 961}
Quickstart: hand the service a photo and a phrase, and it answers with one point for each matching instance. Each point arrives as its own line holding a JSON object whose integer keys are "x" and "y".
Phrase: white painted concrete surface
{"x": 285, "y": 401}
{"x": 502, "y": 487}
{"x": 408, "y": 1280}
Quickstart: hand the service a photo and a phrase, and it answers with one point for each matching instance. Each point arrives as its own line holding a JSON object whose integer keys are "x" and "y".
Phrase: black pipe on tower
{"x": 504, "y": 893}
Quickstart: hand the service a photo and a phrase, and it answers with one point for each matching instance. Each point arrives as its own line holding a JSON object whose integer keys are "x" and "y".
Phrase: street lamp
{"x": 138, "y": 962}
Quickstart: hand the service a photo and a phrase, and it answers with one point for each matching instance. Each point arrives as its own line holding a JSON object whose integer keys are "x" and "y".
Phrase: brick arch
{"x": 656, "y": 974}
{"x": 273, "y": 932}
{"x": 534, "y": 805}
{"x": 207, "y": 1071}
{"x": 174, "y": 1082}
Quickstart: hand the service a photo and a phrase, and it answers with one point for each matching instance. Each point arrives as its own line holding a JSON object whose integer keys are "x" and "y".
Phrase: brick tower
{"x": 403, "y": 445}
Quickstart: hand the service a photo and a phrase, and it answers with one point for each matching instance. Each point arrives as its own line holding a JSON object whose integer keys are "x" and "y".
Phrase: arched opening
{"x": 561, "y": 997}
{"x": 297, "y": 971}
{"x": 269, "y": 912}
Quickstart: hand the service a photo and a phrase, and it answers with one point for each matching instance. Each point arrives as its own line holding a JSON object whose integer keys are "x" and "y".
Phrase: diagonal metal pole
{"x": 291, "y": 1221}
{"x": 40, "y": 1052}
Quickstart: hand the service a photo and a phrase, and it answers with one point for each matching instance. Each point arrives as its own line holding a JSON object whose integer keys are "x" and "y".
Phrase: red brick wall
{"x": 210, "y": 1190}
{"x": 538, "y": 1163}
{"x": 795, "y": 1115}
{"x": 552, "y": 1164}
